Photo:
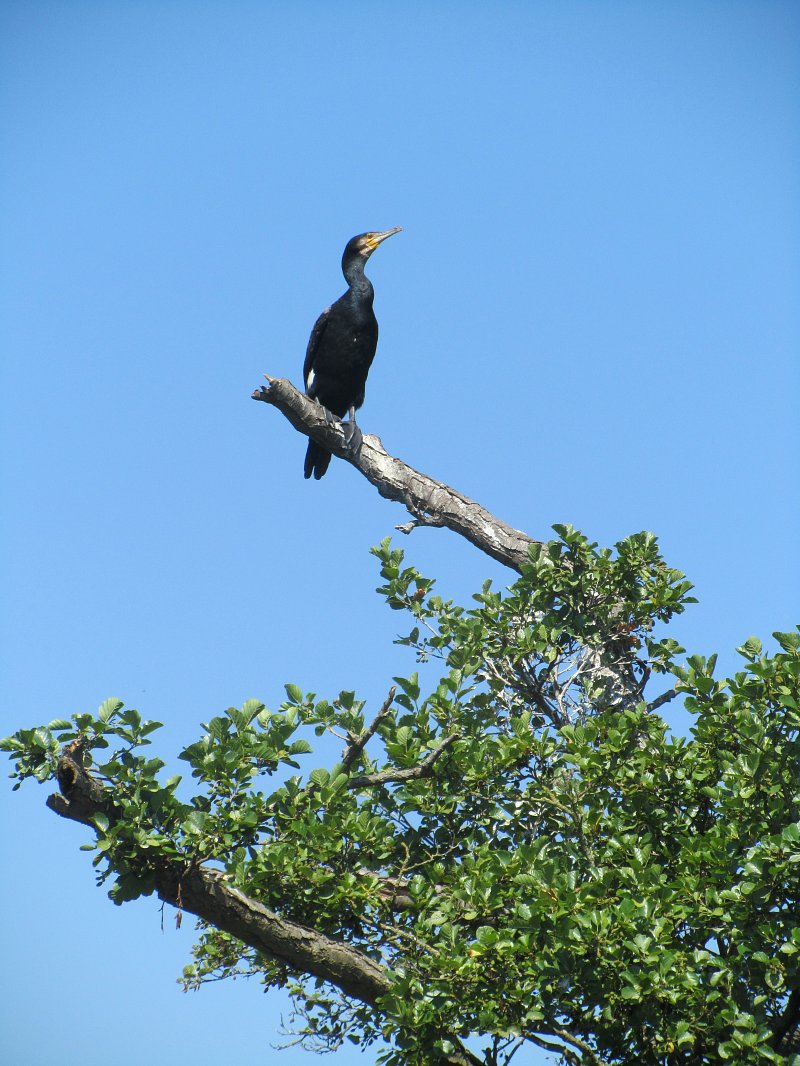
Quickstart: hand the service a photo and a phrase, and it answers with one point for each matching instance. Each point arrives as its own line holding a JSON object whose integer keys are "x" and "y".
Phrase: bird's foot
{"x": 329, "y": 417}
{"x": 352, "y": 436}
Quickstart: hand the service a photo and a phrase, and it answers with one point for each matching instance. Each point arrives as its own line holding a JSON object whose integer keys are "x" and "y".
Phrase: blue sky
{"x": 591, "y": 316}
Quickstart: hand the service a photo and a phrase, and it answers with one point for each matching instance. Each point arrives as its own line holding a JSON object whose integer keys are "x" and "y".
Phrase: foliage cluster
{"x": 530, "y": 860}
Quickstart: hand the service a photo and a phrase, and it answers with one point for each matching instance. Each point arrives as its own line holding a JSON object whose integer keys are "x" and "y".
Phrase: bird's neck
{"x": 358, "y": 282}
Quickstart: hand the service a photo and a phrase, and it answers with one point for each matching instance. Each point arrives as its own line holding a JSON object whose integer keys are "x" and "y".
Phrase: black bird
{"x": 341, "y": 348}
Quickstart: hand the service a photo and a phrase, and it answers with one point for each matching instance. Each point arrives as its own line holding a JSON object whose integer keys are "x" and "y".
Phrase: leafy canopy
{"x": 530, "y": 856}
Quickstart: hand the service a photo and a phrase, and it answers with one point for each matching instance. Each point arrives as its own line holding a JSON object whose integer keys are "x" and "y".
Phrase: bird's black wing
{"x": 313, "y": 347}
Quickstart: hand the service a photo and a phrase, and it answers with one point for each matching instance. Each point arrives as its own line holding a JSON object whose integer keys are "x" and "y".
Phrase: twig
{"x": 388, "y": 777}
{"x": 357, "y": 744}
{"x": 665, "y": 697}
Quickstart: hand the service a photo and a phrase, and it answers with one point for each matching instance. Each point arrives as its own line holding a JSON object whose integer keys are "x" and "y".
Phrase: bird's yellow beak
{"x": 372, "y": 240}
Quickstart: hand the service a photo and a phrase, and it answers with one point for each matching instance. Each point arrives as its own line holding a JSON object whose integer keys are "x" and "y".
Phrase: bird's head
{"x": 365, "y": 243}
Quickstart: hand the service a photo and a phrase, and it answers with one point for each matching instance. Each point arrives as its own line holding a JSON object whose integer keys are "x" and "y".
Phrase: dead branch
{"x": 430, "y": 502}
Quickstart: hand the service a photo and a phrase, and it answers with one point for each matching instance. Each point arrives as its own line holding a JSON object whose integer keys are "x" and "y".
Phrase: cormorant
{"x": 341, "y": 348}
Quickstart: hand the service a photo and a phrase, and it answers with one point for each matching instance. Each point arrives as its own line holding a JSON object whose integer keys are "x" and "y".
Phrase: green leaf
{"x": 252, "y": 709}
{"x": 108, "y": 708}
{"x": 751, "y": 649}
{"x": 195, "y": 823}
{"x": 300, "y": 747}
{"x": 790, "y": 642}
{"x": 409, "y": 685}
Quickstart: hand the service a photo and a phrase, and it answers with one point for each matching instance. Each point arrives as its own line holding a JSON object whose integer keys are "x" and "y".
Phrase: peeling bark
{"x": 430, "y": 502}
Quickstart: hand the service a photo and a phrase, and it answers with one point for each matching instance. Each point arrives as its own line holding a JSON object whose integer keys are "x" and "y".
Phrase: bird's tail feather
{"x": 317, "y": 460}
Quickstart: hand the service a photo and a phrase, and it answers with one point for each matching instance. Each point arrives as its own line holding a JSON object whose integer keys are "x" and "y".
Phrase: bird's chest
{"x": 350, "y": 340}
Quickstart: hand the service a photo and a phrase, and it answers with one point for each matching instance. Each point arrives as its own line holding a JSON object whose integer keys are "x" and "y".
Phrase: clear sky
{"x": 591, "y": 316}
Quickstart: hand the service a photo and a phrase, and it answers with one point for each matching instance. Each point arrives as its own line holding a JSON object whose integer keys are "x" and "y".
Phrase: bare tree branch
{"x": 430, "y": 502}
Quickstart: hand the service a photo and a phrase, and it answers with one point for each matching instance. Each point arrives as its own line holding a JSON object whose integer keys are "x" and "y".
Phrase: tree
{"x": 521, "y": 853}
